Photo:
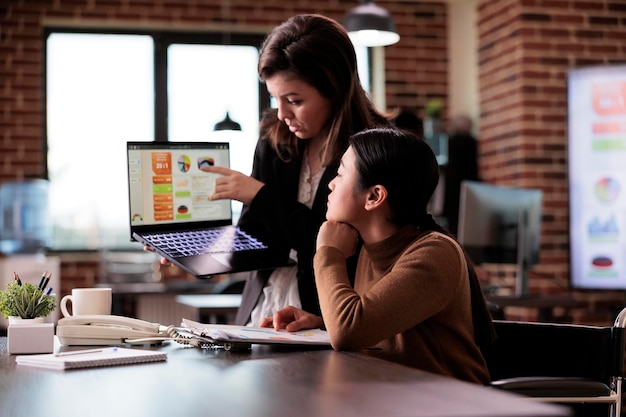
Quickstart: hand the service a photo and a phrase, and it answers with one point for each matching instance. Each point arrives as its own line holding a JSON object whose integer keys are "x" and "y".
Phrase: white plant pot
{"x": 25, "y": 336}
{"x": 18, "y": 321}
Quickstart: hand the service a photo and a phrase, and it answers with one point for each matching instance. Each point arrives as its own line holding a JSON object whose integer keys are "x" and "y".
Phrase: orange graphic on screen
{"x": 162, "y": 179}
{"x": 161, "y": 163}
{"x": 609, "y": 98}
{"x": 163, "y": 198}
{"x": 609, "y": 127}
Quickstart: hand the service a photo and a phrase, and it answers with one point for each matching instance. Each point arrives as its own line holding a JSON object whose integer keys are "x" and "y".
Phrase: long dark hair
{"x": 407, "y": 167}
{"x": 318, "y": 51}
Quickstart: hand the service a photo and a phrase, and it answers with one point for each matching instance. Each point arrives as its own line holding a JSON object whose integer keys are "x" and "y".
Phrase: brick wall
{"x": 411, "y": 81}
{"x": 525, "y": 47}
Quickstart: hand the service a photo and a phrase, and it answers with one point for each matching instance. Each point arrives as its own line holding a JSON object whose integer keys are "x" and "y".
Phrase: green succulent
{"x": 26, "y": 301}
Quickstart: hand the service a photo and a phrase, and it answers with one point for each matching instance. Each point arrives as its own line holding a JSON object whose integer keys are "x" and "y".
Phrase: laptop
{"x": 170, "y": 210}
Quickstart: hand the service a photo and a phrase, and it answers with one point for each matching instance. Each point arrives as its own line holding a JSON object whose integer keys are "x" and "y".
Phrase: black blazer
{"x": 276, "y": 215}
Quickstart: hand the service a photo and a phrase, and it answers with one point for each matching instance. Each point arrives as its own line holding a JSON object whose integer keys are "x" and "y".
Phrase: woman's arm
{"x": 420, "y": 284}
{"x": 275, "y": 208}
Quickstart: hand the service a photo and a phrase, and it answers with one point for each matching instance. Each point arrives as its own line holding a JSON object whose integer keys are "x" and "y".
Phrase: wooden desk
{"x": 261, "y": 382}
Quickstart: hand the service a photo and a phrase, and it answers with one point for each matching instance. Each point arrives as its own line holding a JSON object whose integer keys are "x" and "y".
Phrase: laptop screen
{"x": 168, "y": 183}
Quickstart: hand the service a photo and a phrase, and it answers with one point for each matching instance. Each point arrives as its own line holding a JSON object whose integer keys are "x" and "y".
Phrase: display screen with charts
{"x": 172, "y": 213}
{"x": 597, "y": 180}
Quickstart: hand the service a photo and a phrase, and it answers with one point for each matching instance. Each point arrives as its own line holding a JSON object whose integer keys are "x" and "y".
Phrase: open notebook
{"x": 170, "y": 210}
{"x": 227, "y": 335}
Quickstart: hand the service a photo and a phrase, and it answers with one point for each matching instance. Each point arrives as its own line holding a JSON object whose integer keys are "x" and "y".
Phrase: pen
{"x": 49, "y": 291}
{"x": 84, "y": 352}
{"x": 41, "y": 281}
{"x": 46, "y": 281}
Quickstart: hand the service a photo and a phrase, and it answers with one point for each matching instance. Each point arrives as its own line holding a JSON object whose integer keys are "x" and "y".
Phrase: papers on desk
{"x": 225, "y": 333}
{"x": 91, "y": 358}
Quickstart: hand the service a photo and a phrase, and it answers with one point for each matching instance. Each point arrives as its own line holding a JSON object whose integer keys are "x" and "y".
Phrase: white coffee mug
{"x": 88, "y": 301}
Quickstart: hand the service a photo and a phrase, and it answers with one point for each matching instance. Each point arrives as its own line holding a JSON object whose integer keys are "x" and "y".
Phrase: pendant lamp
{"x": 227, "y": 124}
{"x": 370, "y": 25}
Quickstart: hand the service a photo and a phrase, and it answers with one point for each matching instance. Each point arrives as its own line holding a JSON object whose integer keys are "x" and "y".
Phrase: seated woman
{"x": 415, "y": 299}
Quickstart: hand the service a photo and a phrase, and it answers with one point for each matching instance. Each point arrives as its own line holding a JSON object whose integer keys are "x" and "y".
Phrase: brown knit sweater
{"x": 410, "y": 304}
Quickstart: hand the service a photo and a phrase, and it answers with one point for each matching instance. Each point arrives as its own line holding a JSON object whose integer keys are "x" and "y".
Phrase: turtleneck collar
{"x": 384, "y": 253}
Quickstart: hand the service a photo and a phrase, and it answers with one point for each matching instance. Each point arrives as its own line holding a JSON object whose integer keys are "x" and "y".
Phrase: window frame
{"x": 162, "y": 40}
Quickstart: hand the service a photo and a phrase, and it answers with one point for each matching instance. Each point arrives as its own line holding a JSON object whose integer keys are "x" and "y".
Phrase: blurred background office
{"x": 464, "y": 52}
{"x": 462, "y": 166}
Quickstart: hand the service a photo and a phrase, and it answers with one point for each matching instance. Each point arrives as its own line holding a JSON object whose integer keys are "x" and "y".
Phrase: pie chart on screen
{"x": 204, "y": 162}
{"x": 184, "y": 163}
{"x": 607, "y": 189}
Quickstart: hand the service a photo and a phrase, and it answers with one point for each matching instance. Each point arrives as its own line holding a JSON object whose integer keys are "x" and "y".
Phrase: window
{"x": 204, "y": 83}
{"x": 100, "y": 94}
{"x": 104, "y": 89}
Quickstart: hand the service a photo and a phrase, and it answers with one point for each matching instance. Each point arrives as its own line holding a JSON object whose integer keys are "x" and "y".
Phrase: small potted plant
{"x": 26, "y": 301}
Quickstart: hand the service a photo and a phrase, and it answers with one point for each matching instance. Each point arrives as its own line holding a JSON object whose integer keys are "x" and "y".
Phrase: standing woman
{"x": 309, "y": 66}
{"x": 415, "y": 299}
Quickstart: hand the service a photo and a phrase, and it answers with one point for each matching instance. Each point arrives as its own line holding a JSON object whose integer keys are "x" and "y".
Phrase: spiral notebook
{"x": 91, "y": 358}
{"x": 228, "y": 333}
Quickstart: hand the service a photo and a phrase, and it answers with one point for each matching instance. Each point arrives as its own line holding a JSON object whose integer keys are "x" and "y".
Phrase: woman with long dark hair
{"x": 309, "y": 66}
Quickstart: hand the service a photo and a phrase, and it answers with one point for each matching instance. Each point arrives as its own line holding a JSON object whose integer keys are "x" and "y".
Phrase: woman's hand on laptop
{"x": 234, "y": 185}
{"x": 163, "y": 260}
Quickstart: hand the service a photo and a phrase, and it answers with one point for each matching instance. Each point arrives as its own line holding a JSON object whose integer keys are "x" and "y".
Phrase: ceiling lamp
{"x": 370, "y": 25}
{"x": 227, "y": 124}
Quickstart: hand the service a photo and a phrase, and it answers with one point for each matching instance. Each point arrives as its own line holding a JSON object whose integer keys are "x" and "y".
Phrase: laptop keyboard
{"x": 226, "y": 240}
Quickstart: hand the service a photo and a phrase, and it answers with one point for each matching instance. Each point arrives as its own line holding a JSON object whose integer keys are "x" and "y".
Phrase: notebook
{"x": 170, "y": 210}
{"x": 91, "y": 358}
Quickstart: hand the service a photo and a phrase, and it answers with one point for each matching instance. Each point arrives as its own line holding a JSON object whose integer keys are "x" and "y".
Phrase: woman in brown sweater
{"x": 415, "y": 299}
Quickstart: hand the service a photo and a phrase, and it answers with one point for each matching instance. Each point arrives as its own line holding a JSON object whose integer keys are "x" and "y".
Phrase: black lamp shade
{"x": 227, "y": 124}
{"x": 370, "y": 25}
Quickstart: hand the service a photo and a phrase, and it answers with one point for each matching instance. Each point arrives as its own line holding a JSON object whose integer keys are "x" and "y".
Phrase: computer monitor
{"x": 499, "y": 224}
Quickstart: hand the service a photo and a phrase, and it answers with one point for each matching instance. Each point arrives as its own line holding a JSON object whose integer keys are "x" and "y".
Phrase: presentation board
{"x": 597, "y": 176}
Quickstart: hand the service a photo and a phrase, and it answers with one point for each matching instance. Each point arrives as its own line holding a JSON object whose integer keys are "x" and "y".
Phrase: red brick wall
{"x": 416, "y": 66}
{"x": 525, "y": 50}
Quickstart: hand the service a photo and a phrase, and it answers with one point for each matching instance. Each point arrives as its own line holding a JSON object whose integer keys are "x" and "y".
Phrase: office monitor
{"x": 501, "y": 225}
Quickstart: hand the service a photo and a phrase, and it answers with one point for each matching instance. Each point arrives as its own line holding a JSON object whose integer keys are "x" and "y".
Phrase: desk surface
{"x": 261, "y": 382}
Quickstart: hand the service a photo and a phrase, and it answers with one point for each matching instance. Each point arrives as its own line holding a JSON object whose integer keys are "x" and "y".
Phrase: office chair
{"x": 576, "y": 365}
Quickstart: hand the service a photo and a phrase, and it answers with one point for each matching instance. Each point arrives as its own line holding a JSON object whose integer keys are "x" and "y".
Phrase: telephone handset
{"x": 109, "y": 330}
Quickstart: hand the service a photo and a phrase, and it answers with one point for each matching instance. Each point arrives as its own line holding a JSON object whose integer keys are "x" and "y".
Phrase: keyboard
{"x": 189, "y": 243}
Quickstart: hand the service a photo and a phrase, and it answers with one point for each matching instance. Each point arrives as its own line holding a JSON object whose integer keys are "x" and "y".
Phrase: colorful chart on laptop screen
{"x": 184, "y": 163}
{"x": 204, "y": 162}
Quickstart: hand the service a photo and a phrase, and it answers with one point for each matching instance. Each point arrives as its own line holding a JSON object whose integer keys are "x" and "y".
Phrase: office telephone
{"x": 111, "y": 330}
